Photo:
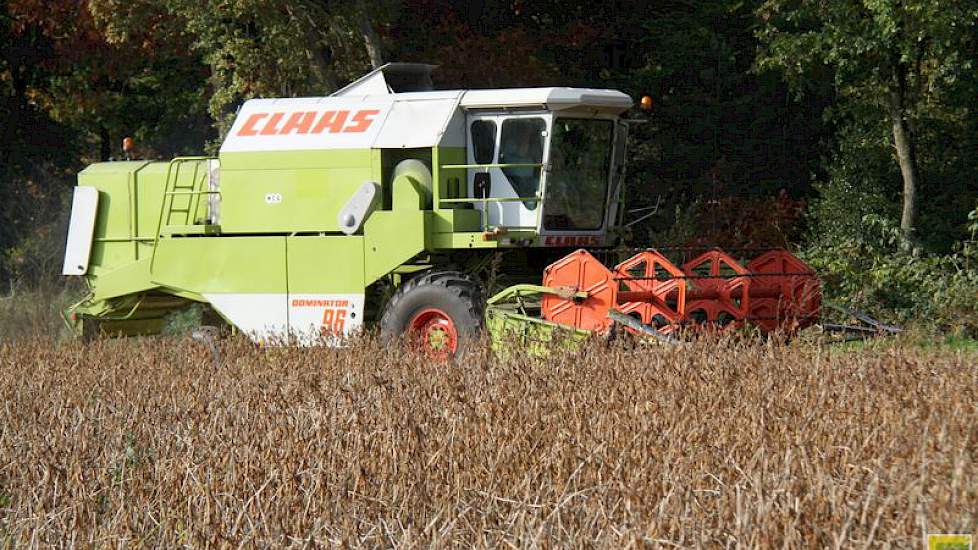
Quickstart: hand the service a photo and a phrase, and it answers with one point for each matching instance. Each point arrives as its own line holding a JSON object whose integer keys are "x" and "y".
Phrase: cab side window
{"x": 483, "y": 141}
{"x": 522, "y": 142}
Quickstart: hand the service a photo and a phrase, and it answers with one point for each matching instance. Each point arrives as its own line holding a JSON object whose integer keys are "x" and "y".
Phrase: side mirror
{"x": 482, "y": 185}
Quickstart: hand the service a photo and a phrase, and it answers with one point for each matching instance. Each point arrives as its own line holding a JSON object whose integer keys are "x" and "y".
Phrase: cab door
{"x": 511, "y": 151}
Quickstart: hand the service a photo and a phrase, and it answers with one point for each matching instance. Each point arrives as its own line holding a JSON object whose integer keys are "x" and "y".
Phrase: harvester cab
{"x": 393, "y": 204}
{"x": 547, "y": 160}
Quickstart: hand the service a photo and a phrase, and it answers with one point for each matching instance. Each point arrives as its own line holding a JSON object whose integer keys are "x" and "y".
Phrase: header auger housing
{"x": 392, "y": 204}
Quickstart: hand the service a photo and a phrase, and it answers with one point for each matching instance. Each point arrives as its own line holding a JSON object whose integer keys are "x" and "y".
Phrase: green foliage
{"x": 908, "y": 61}
{"x": 757, "y": 104}
{"x": 276, "y": 48}
{"x": 888, "y": 61}
{"x": 30, "y": 312}
{"x": 268, "y": 48}
{"x": 182, "y": 322}
{"x": 879, "y": 271}
{"x": 862, "y": 181}
{"x": 859, "y": 43}
{"x": 718, "y": 129}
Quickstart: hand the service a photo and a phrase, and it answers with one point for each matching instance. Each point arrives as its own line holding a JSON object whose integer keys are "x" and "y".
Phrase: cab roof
{"x": 412, "y": 81}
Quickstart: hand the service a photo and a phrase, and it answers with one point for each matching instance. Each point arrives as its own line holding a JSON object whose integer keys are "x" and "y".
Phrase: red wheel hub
{"x": 434, "y": 333}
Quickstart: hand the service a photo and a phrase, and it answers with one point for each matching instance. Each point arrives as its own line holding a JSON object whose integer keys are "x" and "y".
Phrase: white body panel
{"x": 279, "y": 318}
{"x": 262, "y": 317}
{"x": 351, "y": 217}
{"x": 416, "y": 122}
{"x": 333, "y": 316}
{"x": 307, "y": 124}
{"x": 507, "y": 214}
{"x": 214, "y": 185}
{"x": 373, "y": 117}
{"x": 555, "y": 99}
{"x": 373, "y": 83}
{"x": 81, "y": 229}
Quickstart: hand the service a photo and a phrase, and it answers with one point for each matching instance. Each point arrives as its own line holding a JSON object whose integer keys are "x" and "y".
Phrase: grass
{"x": 144, "y": 442}
{"x": 35, "y": 313}
{"x": 920, "y": 338}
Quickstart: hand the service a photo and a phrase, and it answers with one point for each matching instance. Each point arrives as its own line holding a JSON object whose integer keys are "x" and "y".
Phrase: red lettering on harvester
{"x": 271, "y": 127}
{"x": 363, "y": 121}
{"x": 332, "y": 121}
{"x": 250, "y": 125}
{"x": 299, "y": 123}
{"x": 306, "y": 122}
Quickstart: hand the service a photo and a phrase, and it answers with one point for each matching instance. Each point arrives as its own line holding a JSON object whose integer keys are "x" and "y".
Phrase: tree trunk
{"x": 906, "y": 155}
{"x": 105, "y": 144}
{"x": 321, "y": 67}
{"x": 370, "y": 38}
{"x": 317, "y": 51}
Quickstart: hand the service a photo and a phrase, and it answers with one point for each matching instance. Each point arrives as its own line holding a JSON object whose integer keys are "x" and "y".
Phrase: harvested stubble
{"x": 724, "y": 444}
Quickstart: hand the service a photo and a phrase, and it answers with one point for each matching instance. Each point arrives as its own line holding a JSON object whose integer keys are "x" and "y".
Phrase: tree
{"x": 108, "y": 84}
{"x": 37, "y": 154}
{"x": 278, "y": 48}
{"x": 898, "y": 56}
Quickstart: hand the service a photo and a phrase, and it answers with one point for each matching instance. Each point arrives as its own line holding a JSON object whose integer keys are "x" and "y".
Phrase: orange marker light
{"x": 128, "y": 144}
{"x": 646, "y": 103}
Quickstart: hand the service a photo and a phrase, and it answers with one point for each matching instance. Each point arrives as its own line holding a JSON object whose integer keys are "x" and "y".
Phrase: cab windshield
{"x": 577, "y": 184}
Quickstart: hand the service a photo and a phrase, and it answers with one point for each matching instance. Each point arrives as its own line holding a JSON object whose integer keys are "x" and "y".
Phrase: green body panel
{"x": 508, "y": 322}
{"x": 531, "y": 334}
{"x": 447, "y": 222}
{"x": 327, "y": 265}
{"x": 392, "y": 239}
{"x": 222, "y": 264}
{"x": 128, "y": 279}
{"x": 309, "y": 189}
{"x": 452, "y": 182}
{"x": 127, "y": 221}
{"x": 116, "y": 235}
{"x": 448, "y": 241}
{"x": 130, "y": 198}
{"x": 410, "y": 192}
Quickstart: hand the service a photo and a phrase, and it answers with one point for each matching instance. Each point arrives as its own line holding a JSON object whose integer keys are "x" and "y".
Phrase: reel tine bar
{"x": 775, "y": 292}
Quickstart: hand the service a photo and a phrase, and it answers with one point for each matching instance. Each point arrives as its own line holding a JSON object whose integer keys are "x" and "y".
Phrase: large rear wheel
{"x": 437, "y": 313}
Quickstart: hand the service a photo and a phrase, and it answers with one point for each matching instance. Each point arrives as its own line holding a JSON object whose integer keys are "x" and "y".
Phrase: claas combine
{"x": 431, "y": 214}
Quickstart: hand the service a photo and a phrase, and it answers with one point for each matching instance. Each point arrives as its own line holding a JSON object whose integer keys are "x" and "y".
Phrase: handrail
{"x": 491, "y": 199}
{"x": 168, "y": 197}
{"x": 509, "y": 165}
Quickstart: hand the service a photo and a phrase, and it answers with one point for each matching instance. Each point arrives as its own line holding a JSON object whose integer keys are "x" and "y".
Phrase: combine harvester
{"x": 391, "y": 204}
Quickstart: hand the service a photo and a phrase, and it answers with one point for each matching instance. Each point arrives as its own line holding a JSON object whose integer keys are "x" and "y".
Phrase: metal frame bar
{"x": 518, "y": 291}
{"x": 491, "y": 199}
{"x": 495, "y": 165}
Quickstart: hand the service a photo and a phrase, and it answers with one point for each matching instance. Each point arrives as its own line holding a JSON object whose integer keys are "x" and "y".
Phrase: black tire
{"x": 91, "y": 329}
{"x": 454, "y": 294}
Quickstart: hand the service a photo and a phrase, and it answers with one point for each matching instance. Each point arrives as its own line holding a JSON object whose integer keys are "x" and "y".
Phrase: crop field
{"x": 146, "y": 442}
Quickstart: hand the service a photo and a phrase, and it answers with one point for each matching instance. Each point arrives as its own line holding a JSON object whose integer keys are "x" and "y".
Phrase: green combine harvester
{"x": 389, "y": 203}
